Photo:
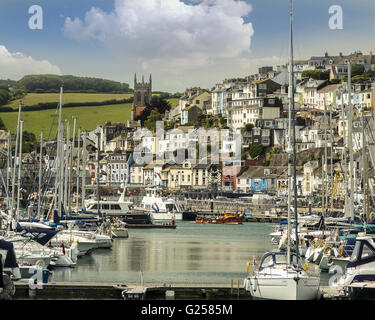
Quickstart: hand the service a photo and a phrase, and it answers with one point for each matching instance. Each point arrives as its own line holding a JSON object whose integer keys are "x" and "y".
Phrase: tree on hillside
{"x": 2, "y": 125}
{"x": 249, "y": 127}
{"x": 52, "y": 83}
{"x": 256, "y": 150}
{"x": 157, "y": 103}
{"x": 358, "y": 69}
{"x": 154, "y": 116}
{"x": 316, "y": 74}
{"x": 4, "y": 96}
{"x": 160, "y": 104}
{"x": 28, "y": 141}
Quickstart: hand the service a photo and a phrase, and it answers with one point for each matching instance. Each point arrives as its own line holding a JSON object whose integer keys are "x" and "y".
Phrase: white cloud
{"x": 168, "y": 35}
{"x": 15, "y": 65}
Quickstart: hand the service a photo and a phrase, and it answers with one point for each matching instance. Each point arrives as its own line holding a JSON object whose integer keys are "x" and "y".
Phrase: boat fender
{"x": 248, "y": 266}
{"x": 305, "y": 266}
{"x": 341, "y": 250}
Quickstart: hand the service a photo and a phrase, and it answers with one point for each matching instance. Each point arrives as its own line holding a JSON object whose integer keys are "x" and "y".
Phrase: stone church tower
{"x": 142, "y": 96}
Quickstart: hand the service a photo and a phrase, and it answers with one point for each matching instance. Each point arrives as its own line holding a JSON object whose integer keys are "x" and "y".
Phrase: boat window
{"x": 95, "y": 206}
{"x": 115, "y": 207}
{"x": 355, "y": 251}
{"x": 293, "y": 259}
{"x": 105, "y": 206}
{"x": 280, "y": 258}
{"x": 367, "y": 251}
{"x": 267, "y": 262}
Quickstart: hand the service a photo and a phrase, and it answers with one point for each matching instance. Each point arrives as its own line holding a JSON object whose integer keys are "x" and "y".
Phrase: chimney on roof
{"x": 340, "y": 54}
{"x": 326, "y": 54}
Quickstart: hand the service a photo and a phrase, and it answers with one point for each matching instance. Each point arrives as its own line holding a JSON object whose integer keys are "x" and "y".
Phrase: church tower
{"x": 142, "y": 96}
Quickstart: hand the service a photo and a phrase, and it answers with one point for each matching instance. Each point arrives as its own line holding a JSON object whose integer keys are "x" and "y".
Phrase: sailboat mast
{"x": 66, "y": 165}
{"x": 19, "y": 174}
{"x": 60, "y": 155}
{"x": 325, "y": 157}
{"x": 78, "y": 165}
{"x": 350, "y": 142}
{"x": 289, "y": 147}
{"x": 344, "y": 159}
{"x": 84, "y": 156}
{"x": 9, "y": 165}
{"x": 294, "y": 131}
{"x": 364, "y": 171}
{"x": 40, "y": 174}
{"x": 14, "y": 167}
{"x": 98, "y": 175}
{"x": 71, "y": 167}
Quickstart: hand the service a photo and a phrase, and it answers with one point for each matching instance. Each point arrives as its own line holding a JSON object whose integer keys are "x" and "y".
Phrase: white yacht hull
{"x": 119, "y": 233}
{"x": 166, "y": 216}
{"x": 283, "y": 288}
{"x": 63, "y": 261}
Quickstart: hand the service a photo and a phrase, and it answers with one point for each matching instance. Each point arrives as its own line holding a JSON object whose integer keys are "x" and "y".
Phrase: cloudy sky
{"x": 183, "y": 43}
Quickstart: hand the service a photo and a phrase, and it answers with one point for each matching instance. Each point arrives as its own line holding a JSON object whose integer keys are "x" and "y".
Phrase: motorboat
{"x": 118, "y": 229}
{"x": 160, "y": 208}
{"x": 109, "y": 208}
{"x": 359, "y": 276}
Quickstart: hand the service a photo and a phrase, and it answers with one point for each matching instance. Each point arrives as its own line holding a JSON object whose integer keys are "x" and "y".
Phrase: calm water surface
{"x": 191, "y": 253}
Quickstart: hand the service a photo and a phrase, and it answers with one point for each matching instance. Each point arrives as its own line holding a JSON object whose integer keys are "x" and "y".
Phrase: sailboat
{"x": 280, "y": 275}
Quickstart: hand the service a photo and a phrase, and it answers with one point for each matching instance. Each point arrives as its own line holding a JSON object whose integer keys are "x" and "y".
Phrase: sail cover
{"x": 40, "y": 235}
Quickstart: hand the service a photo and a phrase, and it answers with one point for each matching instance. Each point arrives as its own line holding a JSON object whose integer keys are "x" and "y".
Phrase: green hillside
{"x": 87, "y": 117}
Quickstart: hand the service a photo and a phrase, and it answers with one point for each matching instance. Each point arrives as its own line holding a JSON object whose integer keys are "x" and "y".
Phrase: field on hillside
{"x": 87, "y": 118}
{"x": 35, "y": 98}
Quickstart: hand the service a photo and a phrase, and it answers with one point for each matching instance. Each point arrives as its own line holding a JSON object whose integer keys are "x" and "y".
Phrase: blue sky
{"x": 183, "y": 44}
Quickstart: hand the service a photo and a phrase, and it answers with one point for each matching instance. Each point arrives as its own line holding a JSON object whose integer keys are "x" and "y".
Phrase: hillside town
{"x": 255, "y": 110}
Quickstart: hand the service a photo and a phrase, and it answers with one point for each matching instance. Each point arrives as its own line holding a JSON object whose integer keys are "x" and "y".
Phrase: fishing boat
{"x": 227, "y": 218}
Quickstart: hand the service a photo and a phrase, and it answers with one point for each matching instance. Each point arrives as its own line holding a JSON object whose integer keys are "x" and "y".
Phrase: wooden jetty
{"x": 113, "y": 291}
{"x": 122, "y": 291}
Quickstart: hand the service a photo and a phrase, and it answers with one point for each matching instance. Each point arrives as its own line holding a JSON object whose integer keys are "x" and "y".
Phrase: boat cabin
{"x": 363, "y": 252}
{"x": 273, "y": 259}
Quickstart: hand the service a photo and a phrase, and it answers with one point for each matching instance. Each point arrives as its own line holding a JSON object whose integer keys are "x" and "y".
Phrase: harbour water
{"x": 191, "y": 253}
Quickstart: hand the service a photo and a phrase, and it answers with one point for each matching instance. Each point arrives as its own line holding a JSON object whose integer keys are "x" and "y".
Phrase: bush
{"x": 256, "y": 150}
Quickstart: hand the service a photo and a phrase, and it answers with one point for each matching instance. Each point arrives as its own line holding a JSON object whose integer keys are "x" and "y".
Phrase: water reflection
{"x": 191, "y": 253}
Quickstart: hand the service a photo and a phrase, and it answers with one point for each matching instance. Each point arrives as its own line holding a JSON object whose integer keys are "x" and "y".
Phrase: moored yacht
{"x": 277, "y": 279}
